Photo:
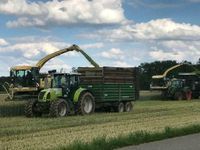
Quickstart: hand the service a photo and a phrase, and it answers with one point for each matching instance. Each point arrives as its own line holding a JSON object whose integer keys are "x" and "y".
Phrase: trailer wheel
{"x": 59, "y": 108}
{"x": 128, "y": 106}
{"x": 30, "y": 107}
{"x": 178, "y": 96}
{"x": 86, "y": 104}
{"x": 119, "y": 108}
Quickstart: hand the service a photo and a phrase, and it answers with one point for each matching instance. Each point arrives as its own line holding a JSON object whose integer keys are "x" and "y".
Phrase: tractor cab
{"x": 62, "y": 85}
{"x": 67, "y": 82}
{"x": 176, "y": 83}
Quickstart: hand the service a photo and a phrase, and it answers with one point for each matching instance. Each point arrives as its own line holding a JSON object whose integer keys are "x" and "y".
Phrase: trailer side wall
{"x": 111, "y": 84}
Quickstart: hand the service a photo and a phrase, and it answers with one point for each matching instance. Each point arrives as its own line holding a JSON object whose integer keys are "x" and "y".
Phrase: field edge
{"x": 134, "y": 138}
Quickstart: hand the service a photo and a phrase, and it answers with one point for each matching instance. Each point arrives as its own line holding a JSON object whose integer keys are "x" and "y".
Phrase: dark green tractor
{"x": 178, "y": 90}
{"x": 64, "y": 97}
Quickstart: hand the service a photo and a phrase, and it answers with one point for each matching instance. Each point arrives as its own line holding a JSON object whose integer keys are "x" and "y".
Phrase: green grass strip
{"x": 132, "y": 139}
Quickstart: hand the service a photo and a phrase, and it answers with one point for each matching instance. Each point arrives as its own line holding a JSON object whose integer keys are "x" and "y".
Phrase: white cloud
{"x": 121, "y": 64}
{"x": 3, "y": 42}
{"x": 160, "y": 29}
{"x": 165, "y": 55}
{"x": 63, "y": 12}
{"x": 91, "y": 46}
{"x": 29, "y": 50}
{"x": 171, "y": 40}
{"x": 113, "y": 53}
{"x": 57, "y": 64}
{"x": 176, "y": 50}
{"x": 33, "y": 49}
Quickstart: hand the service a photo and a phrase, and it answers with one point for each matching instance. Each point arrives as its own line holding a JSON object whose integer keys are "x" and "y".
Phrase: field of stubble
{"x": 20, "y": 133}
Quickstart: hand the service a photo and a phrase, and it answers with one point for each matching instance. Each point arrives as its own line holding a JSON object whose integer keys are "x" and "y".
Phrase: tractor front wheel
{"x": 58, "y": 108}
{"x": 30, "y": 109}
{"x": 86, "y": 104}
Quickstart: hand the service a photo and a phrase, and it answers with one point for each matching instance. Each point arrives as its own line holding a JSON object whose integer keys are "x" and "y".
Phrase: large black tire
{"x": 195, "y": 96}
{"x": 119, "y": 107}
{"x": 86, "y": 104}
{"x": 178, "y": 96}
{"x": 59, "y": 108}
{"x": 188, "y": 95}
{"x": 128, "y": 106}
{"x": 30, "y": 109}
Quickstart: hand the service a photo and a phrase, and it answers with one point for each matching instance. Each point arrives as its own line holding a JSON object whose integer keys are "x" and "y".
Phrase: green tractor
{"x": 65, "y": 97}
{"x": 178, "y": 90}
{"x": 185, "y": 86}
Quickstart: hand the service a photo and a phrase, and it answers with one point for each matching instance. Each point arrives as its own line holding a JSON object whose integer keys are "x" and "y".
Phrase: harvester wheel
{"x": 119, "y": 108}
{"x": 128, "y": 106}
{"x": 178, "y": 96}
{"x": 59, "y": 108}
{"x": 86, "y": 104}
{"x": 30, "y": 107}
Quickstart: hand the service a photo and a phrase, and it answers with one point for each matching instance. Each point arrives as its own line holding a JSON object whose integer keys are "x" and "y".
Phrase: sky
{"x": 120, "y": 33}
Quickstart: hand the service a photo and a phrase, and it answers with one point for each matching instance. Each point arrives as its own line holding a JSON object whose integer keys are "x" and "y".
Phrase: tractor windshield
{"x": 65, "y": 81}
{"x": 177, "y": 83}
{"x": 60, "y": 81}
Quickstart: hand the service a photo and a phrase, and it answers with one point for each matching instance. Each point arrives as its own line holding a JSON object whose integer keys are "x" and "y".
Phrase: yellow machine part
{"x": 23, "y": 67}
{"x": 41, "y": 62}
{"x": 166, "y": 72}
{"x": 45, "y": 82}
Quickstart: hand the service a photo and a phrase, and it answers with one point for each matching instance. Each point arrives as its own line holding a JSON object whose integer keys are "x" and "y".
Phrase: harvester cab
{"x": 24, "y": 76}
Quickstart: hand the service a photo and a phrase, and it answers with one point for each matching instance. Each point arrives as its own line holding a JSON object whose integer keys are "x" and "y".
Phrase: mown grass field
{"x": 18, "y": 132}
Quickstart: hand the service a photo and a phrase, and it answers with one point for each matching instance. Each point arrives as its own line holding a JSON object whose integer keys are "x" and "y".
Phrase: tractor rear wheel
{"x": 188, "y": 95}
{"x": 86, "y": 104}
{"x": 178, "y": 96}
{"x": 195, "y": 96}
{"x": 59, "y": 108}
{"x": 128, "y": 106}
{"x": 120, "y": 107}
{"x": 30, "y": 109}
